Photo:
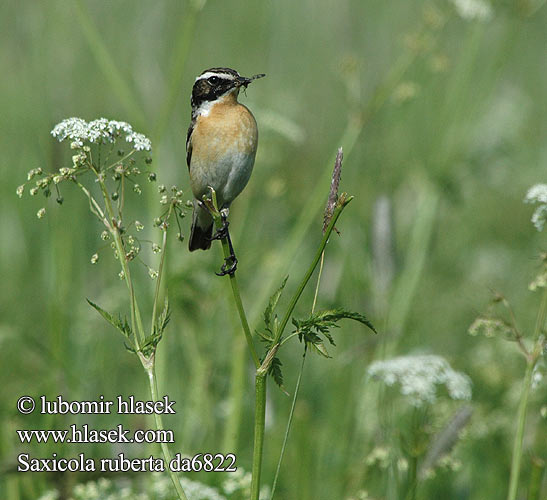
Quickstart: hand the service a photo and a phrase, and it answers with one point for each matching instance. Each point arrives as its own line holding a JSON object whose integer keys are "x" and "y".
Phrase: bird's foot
{"x": 229, "y": 266}
{"x": 221, "y": 232}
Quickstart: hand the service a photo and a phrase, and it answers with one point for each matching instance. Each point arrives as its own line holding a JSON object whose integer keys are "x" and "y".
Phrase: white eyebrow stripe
{"x": 227, "y": 76}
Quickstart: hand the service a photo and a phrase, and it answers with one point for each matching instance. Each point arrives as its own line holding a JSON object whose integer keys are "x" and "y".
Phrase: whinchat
{"x": 220, "y": 147}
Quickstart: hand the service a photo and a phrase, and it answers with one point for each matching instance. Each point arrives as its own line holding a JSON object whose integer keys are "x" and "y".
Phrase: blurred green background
{"x": 440, "y": 107}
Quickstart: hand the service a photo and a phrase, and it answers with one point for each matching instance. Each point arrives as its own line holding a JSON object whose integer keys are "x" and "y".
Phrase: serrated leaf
{"x": 329, "y": 338}
{"x": 274, "y": 299}
{"x": 321, "y": 323}
{"x": 342, "y": 314}
{"x": 150, "y": 343}
{"x": 309, "y": 336}
{"x": 327, "y": 319}
{"x": 122, "y": 326}
{"x": 276, "y": 373}
{"x": 163, "y": 318}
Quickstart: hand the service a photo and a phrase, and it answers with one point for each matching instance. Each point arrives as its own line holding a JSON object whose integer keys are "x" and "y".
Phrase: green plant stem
{"x": 241, "y": 311}
{"x": 521, "y": 421}
{"x": 136, "y": 321}
{"x": 160, "y": 273}
{"x": 236, "y": 395}
{"x": 152, "y": 379}
{"x": 299, "y": 379}
{"x": 93, "y": 205}
{"x": 260, "y": 403}
{"x": 235, "y": 286}
{"x": 260, "y": 418}
{"x": 412, "y": 477}
{"x": 148, "y": 363}
{"x": 289, "y": 423}
{"x": 531, "y": 361}
{"x": 536, "y": 476}
{"x": 318, "y": 282}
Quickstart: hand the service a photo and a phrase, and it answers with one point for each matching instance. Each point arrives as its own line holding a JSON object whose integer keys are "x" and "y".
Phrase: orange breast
{"x": 224, "y": 142}
{"x": 228, "y": 128}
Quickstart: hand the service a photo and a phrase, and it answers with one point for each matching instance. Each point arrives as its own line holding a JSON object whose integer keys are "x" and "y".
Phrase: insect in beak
{"x": 243, "y": 81}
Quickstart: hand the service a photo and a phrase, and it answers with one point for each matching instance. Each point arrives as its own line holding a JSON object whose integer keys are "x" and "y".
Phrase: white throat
{"x": 206, "y": 107}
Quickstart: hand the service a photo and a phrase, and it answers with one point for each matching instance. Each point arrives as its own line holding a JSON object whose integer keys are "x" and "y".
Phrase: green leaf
{"x": 275, "y": 372}
{"x": 320, "y": 323}
{"x": 122, "y": 326}
{"x": 320, "y": 348}
{"x": 150, "y": 343}
{"x": 130, "y": 349}
{"x": 274, "y": 299}
{"x": 329, "y": 338}
{"x": 163, "y": 318}
{"x": 264, "y": 337}
{"x": 322, "y": 320}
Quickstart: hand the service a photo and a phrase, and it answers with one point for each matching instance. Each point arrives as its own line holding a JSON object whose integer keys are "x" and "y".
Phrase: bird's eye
{"x": 214, "y": 80}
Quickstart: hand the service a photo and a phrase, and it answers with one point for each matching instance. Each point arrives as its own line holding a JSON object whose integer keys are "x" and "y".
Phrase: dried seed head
{"x": 333, "y": 194}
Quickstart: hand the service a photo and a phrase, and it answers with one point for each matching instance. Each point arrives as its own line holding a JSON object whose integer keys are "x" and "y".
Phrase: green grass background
{"x": 443, "y": 116}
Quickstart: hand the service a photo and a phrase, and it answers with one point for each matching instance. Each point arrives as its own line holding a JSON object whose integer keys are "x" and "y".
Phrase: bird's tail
{"x": 202, "y": 229}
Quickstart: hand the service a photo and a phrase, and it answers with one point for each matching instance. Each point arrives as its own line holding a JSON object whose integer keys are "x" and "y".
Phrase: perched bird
{"x": 220, "y": 147}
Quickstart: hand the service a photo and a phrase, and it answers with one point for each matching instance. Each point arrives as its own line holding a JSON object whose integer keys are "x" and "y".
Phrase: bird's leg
{"x": 230, "y": 262}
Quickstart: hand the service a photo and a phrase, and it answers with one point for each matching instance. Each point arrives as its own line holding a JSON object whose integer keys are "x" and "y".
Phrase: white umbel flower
{"x": 99, "y": 131}
{"x": 418, "y": 377}
{"x": 538, "y": 194}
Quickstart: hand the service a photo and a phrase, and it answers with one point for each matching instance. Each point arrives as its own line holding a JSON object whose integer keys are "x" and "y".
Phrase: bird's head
{"x": 215, "y": 83}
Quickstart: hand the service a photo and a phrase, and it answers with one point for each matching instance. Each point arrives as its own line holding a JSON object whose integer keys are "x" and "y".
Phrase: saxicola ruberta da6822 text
{"x": 220, "y": 148}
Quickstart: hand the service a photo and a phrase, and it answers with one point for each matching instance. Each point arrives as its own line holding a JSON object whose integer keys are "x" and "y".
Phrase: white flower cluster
{"x": 239, "y": 481}
{"x": 78, "y": 131}
{"x": 161, "y": 488}
{"x": 199, "y": 491}
{"x": 472, "y": 10}
{"x": 418, "y": 377}
{"x": 50, "y": 495}
{"x": 103, "y": 489}
{"x": 538, "y": 194}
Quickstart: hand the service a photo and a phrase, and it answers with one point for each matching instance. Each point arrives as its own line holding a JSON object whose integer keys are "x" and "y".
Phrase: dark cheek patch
{"x": 204, "y": 91}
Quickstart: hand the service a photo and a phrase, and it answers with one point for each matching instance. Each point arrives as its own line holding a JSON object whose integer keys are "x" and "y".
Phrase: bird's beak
{"x": 243, "y": 81}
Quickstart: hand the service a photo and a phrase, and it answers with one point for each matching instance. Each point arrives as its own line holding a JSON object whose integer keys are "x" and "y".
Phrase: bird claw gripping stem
{"x": 222, "y": 233}
{"x": 224, "y": 270}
